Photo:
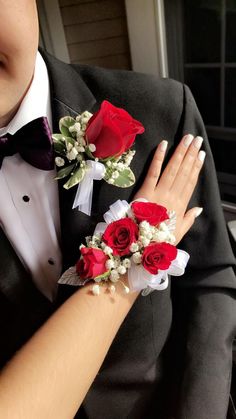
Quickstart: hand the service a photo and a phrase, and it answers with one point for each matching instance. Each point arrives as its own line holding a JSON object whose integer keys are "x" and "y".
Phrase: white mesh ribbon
{"x": 99, "y": 229}
{"x": 84, "y": 194}
{"x": 140, "y": 279}
{"x": 117, "y": 211}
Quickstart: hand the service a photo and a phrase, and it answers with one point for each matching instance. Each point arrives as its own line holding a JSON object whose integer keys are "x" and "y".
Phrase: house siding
{"x": 96, "y": 32}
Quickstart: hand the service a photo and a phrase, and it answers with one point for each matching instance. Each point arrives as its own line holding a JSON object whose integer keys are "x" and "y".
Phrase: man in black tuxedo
{"x": 172, "y": 356}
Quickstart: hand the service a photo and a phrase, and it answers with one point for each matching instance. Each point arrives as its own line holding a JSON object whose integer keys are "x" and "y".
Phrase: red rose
{"x": 119, "y": 235}
{"x": 158, "y": 256}
{"x": 148, "y": 211}
{"x": 92, "y": 263}
{"x": 112, "y": 130}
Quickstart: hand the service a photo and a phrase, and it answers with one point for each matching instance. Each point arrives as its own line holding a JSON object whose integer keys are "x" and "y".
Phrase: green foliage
{"x": 75, "y": 178}
{"x": 64, "y": 172}
{"x": 125, "y": 179}
{"x": 64, "y": 125}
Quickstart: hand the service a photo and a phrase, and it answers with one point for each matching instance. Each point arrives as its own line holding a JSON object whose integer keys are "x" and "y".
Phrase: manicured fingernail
{"x": 197, "y": 142}
{"x": 201, "y": 155}
{"x": 188, "y": 139}
{"x": 163, "y": 145}
{"x": 198, "y": 211}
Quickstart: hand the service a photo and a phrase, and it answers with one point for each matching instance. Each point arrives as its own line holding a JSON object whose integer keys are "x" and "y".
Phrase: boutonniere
{"x": 94, "y": 147}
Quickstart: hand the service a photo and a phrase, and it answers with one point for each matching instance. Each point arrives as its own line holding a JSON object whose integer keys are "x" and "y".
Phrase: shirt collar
{"x": 36, "y": 102}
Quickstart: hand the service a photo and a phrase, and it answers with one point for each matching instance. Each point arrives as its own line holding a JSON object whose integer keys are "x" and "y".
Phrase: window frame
{"x": 52, "y": 34}
{"x": 146, "y": 26}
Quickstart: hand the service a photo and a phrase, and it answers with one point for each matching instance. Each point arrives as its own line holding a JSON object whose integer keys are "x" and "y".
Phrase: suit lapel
{"x": 69, "y": 93}
{"x": 70, "y": 97}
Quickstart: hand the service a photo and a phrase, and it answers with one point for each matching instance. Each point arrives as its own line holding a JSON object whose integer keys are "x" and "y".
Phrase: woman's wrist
{"x": 120, "y": 292}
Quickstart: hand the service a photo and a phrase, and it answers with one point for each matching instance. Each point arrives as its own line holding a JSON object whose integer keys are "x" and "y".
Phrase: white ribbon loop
{"x": 139, "y": 278}
{"x": 84, "y": 195}
{"x": 100, "y": 229}
{"x": 117, "y": 211}
{"x": 177, "y": 267}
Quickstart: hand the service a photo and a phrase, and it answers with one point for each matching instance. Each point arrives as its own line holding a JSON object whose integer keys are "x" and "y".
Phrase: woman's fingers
{"x": 193, "y": 178}
{"x": 176, "y": 184}
{"x": 154, "y": 171}
{"x": 175, "y": 162}
{"x": 188, "y": 220}
{"x": 185, "y": 170}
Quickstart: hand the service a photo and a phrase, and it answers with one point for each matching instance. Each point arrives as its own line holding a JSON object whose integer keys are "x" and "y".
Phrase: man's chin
{"x": 4, "y": 120}
{"x": 6, "y": 115}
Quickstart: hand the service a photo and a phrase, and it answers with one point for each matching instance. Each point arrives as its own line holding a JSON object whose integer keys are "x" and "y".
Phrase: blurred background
{"x": 193, "y": 41}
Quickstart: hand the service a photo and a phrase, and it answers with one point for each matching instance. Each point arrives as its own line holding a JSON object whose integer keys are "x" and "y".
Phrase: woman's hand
{"x": 174, "y": 188}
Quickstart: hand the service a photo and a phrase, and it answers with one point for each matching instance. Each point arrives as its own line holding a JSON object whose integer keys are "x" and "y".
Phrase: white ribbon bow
{"x": 84, "y": 194}
{"x": 140, "y": 279}
{"x": 117, "y": 211}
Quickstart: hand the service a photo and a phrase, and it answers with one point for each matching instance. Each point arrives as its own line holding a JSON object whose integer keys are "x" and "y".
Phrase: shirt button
{"x": 26, "y": 198}
{"x": 51, "y": 261}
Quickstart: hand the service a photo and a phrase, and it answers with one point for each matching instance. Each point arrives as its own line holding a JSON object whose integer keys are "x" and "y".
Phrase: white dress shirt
{"x": 29, "y": 207}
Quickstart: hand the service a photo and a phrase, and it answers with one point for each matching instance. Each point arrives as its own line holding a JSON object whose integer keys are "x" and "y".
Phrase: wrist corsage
{"x": 136, "y": 239}
{"x": 94, "y": 147}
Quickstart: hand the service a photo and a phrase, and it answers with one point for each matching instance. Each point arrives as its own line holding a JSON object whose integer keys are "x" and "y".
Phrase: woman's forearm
{"x": 50, "y": 376}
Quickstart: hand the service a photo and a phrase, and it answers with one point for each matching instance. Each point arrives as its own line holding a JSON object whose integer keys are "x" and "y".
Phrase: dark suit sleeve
{"x": 204, "y": 299}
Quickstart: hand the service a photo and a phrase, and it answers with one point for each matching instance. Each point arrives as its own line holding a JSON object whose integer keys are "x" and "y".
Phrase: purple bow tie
{"x": 33, "y": 142}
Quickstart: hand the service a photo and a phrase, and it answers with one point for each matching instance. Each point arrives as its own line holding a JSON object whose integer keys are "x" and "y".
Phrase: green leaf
{"x": 65, "y": 123}
{"x": 75, "y": 178}
{"x": 62, "y": 139}
{"x": 61, "y": 142}
{"x": 60, "y": 148}
{"x": 64, "y": 172}
{"x": 57, "y": 138}
{"x": 125, "y": 180}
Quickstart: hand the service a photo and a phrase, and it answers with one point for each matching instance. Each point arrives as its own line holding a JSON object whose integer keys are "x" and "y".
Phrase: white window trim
{"x": 147, "y": 36}
{"x": 52, "y": 29}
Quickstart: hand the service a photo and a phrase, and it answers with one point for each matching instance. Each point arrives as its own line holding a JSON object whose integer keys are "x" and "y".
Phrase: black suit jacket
{"x": 172, "y": 356}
